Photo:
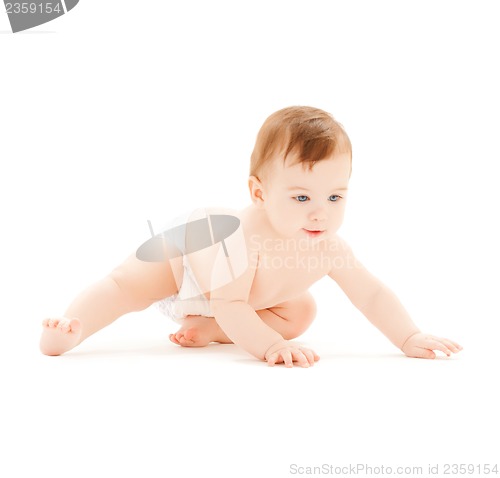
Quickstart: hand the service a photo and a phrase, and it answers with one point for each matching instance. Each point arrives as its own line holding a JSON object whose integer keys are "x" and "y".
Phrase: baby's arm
{"x": 241, "y": 323}
{"x": 245, "y": 328}
{"x": 383, "y": 309}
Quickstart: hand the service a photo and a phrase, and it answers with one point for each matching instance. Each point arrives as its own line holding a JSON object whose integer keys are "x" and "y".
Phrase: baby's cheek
{"x": 338, "y": 220}
{"x": 283, "y": 226}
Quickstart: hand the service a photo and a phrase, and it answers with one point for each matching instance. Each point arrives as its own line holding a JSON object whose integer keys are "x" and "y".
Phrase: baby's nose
{"x": 318, "y": 214}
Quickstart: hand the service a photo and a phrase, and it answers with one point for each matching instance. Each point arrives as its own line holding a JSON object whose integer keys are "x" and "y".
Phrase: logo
{"x": 26, "y": 15}
{"x": 212, "y": 244}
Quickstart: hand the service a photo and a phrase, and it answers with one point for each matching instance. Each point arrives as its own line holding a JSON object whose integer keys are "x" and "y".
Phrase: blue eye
{"x": 301, "y": 198}
{"x": 334, "y": 197}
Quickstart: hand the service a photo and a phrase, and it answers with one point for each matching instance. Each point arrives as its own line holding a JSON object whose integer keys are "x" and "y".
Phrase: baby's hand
{"x": 288, "y": 352}
{"x": 422, "y": 345}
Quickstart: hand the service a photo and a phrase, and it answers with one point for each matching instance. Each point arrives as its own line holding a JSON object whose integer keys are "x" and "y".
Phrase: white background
{"x": 123, "y": 111}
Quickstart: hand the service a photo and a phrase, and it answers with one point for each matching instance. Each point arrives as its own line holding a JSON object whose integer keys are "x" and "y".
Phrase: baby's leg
{"x": 131, "y": 287}
{"x": 290, "y": 319}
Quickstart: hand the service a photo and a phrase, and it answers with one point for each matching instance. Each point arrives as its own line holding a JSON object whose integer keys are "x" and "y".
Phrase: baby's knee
{"x": 304, "y": 312}
{"x": 307, "y": 308}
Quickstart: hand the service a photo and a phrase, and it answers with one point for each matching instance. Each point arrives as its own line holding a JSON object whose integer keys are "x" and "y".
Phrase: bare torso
{"x": 285, "y": 268}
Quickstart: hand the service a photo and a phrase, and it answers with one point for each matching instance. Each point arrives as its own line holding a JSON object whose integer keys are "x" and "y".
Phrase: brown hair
{"x": 312, "y": 132}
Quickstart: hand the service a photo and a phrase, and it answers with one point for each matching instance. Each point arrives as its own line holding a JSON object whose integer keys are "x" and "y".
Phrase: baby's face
{"x": 307, "y": 204}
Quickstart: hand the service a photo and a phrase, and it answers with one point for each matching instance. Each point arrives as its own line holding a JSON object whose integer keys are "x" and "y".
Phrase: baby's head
{"x": 299, "y": 171}
{"x": 311, "y": 133}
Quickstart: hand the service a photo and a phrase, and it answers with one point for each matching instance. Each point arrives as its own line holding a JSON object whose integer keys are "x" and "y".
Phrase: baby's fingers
{"x": 288, "y": 356}
{"x": 444, "y": 345}
{"x": 281, "y": 356}
{"x": 453, "y": 346}
{"x": 430, "y": 343}
{"x": 300, "y": 357}
{"x": 310, "y": 355}
{"x": 273, "y": 359}
{"x": 435, "y": 344}
{"x": 423, "y": 353}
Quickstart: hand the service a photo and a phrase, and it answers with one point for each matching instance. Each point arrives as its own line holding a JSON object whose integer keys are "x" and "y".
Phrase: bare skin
{"x": 291, "y": 241}
{"x": 60, "y": 335}
{"x": 291, "y": 319}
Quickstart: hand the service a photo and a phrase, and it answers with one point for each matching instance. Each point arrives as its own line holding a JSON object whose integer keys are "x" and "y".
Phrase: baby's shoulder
{"x": 337, "y": 245}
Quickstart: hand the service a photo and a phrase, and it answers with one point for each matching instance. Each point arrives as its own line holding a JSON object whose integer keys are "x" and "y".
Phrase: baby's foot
{"x": 59, "y": 335}
{"x": 199, "y": 331}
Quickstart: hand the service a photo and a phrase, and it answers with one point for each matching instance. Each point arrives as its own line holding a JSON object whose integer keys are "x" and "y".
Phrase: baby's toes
{"x": 185, "y": 339}
{"x": 67, "y": 325}
{"x": 51, "y": 323}
{"x": 64, "y": 326}
{"x": 191, "y": 335}
{"x": 74, "y": 326}
{"x": 173, "y": 339}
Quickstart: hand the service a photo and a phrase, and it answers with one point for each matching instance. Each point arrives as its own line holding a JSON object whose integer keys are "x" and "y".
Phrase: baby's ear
{"x": 256, "y": 191}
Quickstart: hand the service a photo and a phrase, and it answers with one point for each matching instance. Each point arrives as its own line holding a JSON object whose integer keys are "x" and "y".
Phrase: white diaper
{"x": 209, "y": 237}
{"x": 188, "y": 301}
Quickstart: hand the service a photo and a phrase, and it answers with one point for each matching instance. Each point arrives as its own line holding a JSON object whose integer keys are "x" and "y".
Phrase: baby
{"x": 242, "y": 277}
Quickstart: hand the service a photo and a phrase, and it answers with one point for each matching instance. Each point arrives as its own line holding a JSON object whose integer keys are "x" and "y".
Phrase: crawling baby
{"x": 242, "y": 277}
